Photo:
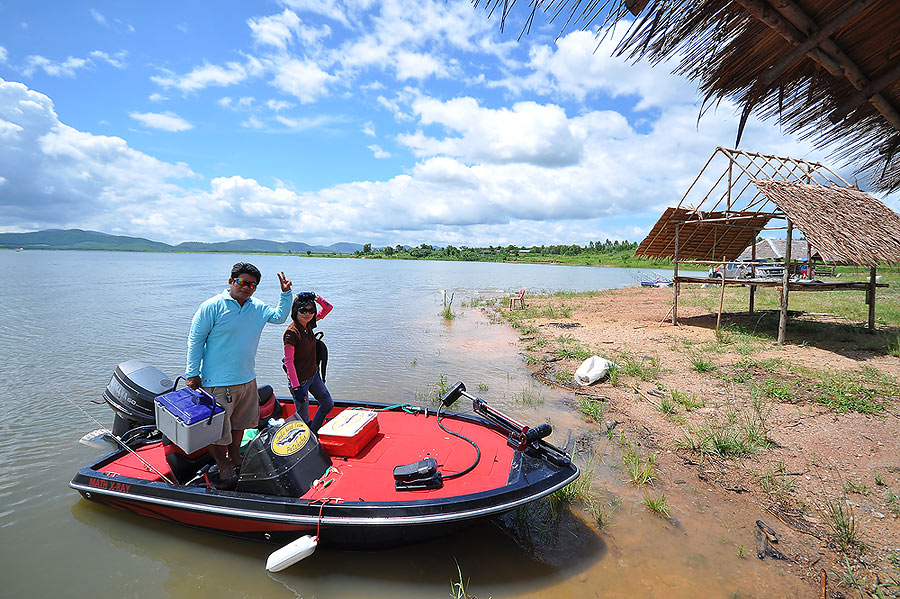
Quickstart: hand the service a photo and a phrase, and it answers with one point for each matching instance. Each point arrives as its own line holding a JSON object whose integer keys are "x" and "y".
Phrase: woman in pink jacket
{"x": 300, "y": 358}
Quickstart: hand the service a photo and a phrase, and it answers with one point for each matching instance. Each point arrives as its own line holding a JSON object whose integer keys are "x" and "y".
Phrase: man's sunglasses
{"x": 246, "y": 283}
{"x": 306, "y": 310}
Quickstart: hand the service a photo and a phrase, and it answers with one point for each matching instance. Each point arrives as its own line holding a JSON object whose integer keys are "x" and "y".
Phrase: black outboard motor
{"x": 283, "y": 461}
{"x": 130, "y": 394}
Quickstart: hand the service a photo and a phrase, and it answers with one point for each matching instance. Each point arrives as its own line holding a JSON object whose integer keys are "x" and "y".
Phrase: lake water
{"x": 69, "y": 317}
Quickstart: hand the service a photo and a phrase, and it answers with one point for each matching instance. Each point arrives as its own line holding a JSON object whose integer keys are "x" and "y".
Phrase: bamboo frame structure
{"x": 844, "y": 224}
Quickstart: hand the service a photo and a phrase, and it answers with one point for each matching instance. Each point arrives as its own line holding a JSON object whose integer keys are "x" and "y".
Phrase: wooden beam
{"x": 782, "y": 320}
{"x": 854, "y": 101}
{"x": 768, "y": 15}
{"x": 871, "y": 297}
{"x": 753, "y": 273}
{"x": 675, "y": 284}
{"x": 804, "y": 47}
{"x": 799, "y": 19}
{"x": 636, "y": 6}
{"x": 721, "y": 297}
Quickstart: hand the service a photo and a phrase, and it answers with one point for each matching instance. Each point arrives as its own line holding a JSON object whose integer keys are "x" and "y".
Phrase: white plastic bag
{"x": 593, "y": 369}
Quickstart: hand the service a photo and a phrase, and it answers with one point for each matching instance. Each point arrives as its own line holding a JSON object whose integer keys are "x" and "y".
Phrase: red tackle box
{"x": 349, "y": 432}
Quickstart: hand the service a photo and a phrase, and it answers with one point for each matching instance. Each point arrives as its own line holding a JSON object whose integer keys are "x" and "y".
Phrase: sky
{"x": 391, "y": 122}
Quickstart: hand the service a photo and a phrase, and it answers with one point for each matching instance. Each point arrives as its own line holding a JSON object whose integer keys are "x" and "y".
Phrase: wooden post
{"x": 809, "y": 266}
{"x": 722, "y": 295}
{"x": 753, "y": 272}
{"x": 675, "y": 283}
{"x": 782, "y": 321}
{"x": 871, "y": 298}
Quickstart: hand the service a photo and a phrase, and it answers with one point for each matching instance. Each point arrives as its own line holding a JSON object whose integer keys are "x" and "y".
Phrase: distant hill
{"x": 77, "y": 239}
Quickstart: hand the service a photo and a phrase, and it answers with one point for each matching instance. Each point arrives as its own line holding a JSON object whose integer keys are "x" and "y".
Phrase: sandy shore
{"x": 761, "y": 426}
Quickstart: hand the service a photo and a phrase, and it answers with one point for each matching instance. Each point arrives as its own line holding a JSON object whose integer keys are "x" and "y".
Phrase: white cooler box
{"x": 190, "y": 419}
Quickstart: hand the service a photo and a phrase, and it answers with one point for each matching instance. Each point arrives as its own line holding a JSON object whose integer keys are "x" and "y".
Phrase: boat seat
{"x": 184, "y": 467}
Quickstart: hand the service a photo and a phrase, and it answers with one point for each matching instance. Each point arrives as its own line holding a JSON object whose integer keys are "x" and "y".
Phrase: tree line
{"x": 496, "y": 253}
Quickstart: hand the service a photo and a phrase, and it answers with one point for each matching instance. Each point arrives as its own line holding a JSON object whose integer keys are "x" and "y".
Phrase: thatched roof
{"x": 773, "y": 249}
{"x": 702, "y": 235}
{"x": 825, "y": 69}
{"x": 843, "y": 224}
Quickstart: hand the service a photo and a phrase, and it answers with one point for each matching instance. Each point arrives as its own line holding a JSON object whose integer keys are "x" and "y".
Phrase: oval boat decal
{"x": 290, "y": 438}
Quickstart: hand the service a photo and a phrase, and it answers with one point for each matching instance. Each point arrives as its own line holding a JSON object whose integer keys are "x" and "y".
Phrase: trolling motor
{"x": 520, "y": 437}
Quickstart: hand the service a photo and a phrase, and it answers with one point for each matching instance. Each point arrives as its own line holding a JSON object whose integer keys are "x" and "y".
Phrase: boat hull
{"x": 341, "y": 522}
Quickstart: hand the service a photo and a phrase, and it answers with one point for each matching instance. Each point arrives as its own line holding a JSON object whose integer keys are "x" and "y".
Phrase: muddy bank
{"x": 803, "y": 436}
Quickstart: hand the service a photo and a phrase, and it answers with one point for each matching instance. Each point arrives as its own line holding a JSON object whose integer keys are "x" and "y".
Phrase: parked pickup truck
{"x": 744, "y": 270}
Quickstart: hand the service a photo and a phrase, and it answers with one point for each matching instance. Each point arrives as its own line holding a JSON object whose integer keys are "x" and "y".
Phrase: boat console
{"x": 283, "y": 460}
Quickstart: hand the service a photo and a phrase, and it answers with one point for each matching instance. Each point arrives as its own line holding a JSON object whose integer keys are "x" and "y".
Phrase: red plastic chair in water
{"x": 517, "y": 299}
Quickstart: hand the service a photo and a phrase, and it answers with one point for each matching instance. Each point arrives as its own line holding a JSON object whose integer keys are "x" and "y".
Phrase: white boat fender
{"x": 593, "y": 369}
{"x": 291, "y": 553}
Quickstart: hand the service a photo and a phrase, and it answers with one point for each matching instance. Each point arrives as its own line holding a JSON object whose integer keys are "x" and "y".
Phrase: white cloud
{"x": 378, "y": 152}
{"x": 578, "y": 67}
{"x": 303, "y": 79}
{"x": 95, "y": 14}
{"x": 531, "y": 133}
{"x": 167, "y": 121}
{"x": 3, "y": 54}
{"x": 117, "y": 60}
{"x": 202, "y": 77}
{"x": 414, "y": 65}
{"x": 369, "y": 129}
{"x": 301, "y": 124}
{"x": 253, "y": 123}
{"x": 331, "y": 9}
{"x": 157, "y": 97}
{"x": 245, "y": 103}
{"x": 64, "y": 177}
{"x": 65, "y": 68}
{"x": 279, "y": 105}
{"x": 276, "y": 30}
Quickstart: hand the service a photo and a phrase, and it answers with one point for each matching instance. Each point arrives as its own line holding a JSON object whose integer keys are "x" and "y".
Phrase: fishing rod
{"x": 119, "y": 440}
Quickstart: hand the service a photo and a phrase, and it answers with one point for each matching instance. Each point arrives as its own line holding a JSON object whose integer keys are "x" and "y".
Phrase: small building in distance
{"x": 773, "y": 249}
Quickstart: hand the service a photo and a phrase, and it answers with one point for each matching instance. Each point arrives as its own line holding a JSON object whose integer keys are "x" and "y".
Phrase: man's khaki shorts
{"x": 242, "y": 412}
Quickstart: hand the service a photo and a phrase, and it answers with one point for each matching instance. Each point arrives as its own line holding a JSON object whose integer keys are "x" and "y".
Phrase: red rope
{"x": 322, "y": 507}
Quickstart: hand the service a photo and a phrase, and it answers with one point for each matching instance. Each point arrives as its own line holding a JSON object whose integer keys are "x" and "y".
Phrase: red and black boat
{"x": 403, "y": 474}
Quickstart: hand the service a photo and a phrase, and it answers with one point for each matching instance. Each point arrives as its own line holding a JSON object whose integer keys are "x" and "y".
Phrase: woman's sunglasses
{"x": 246, "y": 283}
{"x": 306, "y": 310}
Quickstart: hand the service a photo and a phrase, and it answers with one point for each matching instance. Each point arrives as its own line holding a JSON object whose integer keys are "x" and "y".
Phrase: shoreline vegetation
{"x": 607, "y": 253}
{"x": 801, "y": 435}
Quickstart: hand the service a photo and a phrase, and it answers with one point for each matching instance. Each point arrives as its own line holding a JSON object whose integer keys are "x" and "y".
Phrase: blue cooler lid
{"x": 189, "y": 405}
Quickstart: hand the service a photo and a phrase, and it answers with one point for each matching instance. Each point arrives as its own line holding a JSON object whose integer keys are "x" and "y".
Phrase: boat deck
{"x": 402, "y": 439}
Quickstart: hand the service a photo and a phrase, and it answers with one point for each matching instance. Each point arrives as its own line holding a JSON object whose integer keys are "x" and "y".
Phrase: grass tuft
{"x": 640, "y": 470}
{"x": 658, "y": 505}
{"x": 591, "y": 407}
{"x": 700, "y": 364}
{"x": 842, "y": 522}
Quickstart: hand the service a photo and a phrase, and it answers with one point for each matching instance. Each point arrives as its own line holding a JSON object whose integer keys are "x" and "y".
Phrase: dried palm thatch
{"x": 843, "y": 224}
{"x": 827, "y": 70}
{"x": 701, "y": 235}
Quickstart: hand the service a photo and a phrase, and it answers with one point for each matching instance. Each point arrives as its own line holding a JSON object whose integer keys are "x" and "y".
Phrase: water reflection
{"x": 488, "y": 553}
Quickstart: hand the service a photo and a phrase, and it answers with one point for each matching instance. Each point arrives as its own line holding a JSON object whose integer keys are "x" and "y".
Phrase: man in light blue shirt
{"x": 221, "y": 356}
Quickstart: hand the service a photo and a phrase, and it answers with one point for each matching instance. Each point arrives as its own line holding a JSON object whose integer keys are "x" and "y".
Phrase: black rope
{"x": 470, "y": 441}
